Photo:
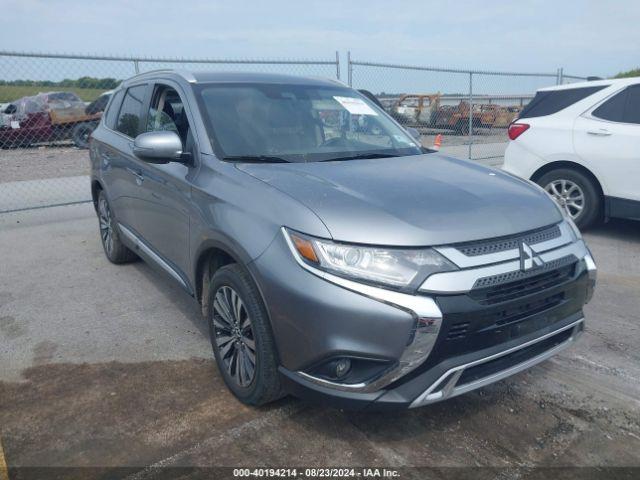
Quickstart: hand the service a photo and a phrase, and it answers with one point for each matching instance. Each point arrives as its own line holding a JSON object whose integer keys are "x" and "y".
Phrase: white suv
{"x": 581, "y": 143}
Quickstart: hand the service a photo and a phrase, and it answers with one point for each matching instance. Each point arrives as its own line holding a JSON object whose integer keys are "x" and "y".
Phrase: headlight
{"x": 387, "y": 266}
{"x": 570, "y": 222}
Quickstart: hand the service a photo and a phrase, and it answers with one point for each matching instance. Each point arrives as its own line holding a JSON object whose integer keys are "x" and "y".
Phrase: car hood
{"x": 418, "y": 200}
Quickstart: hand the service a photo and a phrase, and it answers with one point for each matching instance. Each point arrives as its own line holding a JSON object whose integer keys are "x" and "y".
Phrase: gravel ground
{"x": 107, "y": 369}
{"x": 39, "y": 163}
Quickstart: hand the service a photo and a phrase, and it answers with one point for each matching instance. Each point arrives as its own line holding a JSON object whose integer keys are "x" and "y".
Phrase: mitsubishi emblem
{"x": 528, "y": 258}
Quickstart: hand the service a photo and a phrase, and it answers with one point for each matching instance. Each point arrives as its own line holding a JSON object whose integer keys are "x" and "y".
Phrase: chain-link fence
{"x": 50, "y": 103}
{"x": 470, "y": 109}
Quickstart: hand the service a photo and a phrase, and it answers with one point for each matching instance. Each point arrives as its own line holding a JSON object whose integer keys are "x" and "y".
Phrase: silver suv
{"x": 333, "y": 256}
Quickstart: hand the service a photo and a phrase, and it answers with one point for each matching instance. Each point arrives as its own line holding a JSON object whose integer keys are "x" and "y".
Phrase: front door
{"x": 163, "y": 211}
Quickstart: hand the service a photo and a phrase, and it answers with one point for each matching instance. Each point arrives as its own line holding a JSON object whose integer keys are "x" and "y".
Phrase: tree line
{"x": 631, "y": 73}
{"x": 82, "y": 82}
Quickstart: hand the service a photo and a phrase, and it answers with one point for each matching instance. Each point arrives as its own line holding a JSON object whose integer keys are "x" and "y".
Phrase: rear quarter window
{"x": 549, "y": 102}
{"x": 112, "y": 110}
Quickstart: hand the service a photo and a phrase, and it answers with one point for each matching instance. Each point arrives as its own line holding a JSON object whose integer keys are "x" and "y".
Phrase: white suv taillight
{"x": 517, "y": 129}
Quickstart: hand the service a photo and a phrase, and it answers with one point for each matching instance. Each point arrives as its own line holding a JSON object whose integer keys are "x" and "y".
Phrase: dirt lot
{"x": 37, "y": 163}
{"x": 108, "y": 366}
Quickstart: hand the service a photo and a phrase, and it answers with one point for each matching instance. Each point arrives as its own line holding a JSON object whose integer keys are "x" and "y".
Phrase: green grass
{"x": 8, "y": 93}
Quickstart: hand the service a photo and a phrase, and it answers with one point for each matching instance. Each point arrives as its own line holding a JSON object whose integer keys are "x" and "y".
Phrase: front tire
{"x": 241, "y": 337}
{"x": 575, "y": 193}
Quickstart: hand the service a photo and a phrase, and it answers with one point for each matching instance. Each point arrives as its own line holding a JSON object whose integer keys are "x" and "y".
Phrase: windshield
{"x": 298, "y": 123}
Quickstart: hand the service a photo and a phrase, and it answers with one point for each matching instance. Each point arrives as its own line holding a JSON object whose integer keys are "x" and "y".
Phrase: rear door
{"x": 608, "y": 138}
{"x": 121, "y": 168}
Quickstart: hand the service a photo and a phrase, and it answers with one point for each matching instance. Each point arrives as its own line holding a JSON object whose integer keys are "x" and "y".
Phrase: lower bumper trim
{"x": 448, "y": 385}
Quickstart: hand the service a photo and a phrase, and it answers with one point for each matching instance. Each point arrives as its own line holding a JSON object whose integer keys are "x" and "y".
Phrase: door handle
{"x": 599, "y": 133}
{"x": 106, "y": 158}
{"x": 138, "y": 175}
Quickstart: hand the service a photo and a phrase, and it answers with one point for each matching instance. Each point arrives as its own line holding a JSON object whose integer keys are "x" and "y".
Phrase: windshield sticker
{"x": 355, "y": 106}
{"x": 401, "y": 139}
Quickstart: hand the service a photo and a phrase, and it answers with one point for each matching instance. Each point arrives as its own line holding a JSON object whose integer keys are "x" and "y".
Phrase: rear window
{"x": 552, "y": 101}
{"x": 112, "y": 111}
{"x": 64, "y": 96}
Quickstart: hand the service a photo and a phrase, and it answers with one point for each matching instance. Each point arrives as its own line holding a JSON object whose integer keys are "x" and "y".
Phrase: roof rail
{"x": 188, "y": 76}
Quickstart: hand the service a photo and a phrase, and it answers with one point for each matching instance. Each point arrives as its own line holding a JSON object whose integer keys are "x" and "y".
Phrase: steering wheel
{"x": 333, "y": 142}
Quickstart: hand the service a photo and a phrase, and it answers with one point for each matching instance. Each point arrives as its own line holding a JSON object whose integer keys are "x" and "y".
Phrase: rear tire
{"x": 241, "y": 337}
{"x": 576, "y": 193}
{"x": 114, "y": 249}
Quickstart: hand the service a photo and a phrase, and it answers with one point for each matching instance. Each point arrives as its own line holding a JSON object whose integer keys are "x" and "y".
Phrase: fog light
{"x": 342, "y": 367}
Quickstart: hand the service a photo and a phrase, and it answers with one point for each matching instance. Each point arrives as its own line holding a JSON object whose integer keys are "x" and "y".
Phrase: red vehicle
{"x": 47, "y": 117}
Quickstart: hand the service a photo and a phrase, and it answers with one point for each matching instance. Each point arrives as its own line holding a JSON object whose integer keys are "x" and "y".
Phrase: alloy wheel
{"x": 569, "y": 196}
{"x": 234, "y": 336}
{"x": 106, "y": 225}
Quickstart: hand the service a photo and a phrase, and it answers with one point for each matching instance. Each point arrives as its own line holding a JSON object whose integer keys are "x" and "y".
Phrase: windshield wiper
{"x": 255, "y": 159}
{"x": 360, "y": 156}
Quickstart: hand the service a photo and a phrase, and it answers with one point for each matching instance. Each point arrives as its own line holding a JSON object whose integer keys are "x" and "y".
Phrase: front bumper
{"x": 428, "y": 357}
{"x": 447, "y": 379}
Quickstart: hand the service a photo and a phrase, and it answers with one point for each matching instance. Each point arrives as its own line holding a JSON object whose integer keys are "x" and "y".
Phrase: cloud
{"x": 582, "y": 36}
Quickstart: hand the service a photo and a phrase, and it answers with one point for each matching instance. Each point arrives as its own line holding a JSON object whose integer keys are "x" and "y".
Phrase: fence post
{"x": 337, "y": 65}
{"x": 349, "y": 69}
{"x": 561, "y": 75}
{"x": 136, "y": 66}
{"x": 470, "y": 113}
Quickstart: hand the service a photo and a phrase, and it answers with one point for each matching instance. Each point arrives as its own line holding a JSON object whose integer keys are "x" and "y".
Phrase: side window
{"x": 112, "y": 111}
{"x": 167, "y": 112}
{"x": 632, "y": 108}
{"x": 613, "y": 109}
{"x": 130, "y": 112}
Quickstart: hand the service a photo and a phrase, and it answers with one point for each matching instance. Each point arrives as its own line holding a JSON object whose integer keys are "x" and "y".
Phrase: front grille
{"x": 495, "y": 245}
{"x": 512, "y": 285}
{"x": 514, "y": 314}
{"x": 457, "y": 331}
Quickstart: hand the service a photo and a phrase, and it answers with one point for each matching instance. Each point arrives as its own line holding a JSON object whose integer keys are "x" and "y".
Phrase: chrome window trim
{"x": 423, "y": 309}
{"x": 464, "y": 261}
{"x": 462, "y": 281}
{"x": 151, "y": 254}
{"x": 436, "y": 394}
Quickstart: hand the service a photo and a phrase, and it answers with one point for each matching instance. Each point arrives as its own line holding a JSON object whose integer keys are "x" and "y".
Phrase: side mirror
{"x": 159, "y": 146}
{"x": 414, "y": 133}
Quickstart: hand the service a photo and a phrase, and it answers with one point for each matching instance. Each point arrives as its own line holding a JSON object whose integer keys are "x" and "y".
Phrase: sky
{"x": 584, "y": 37}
